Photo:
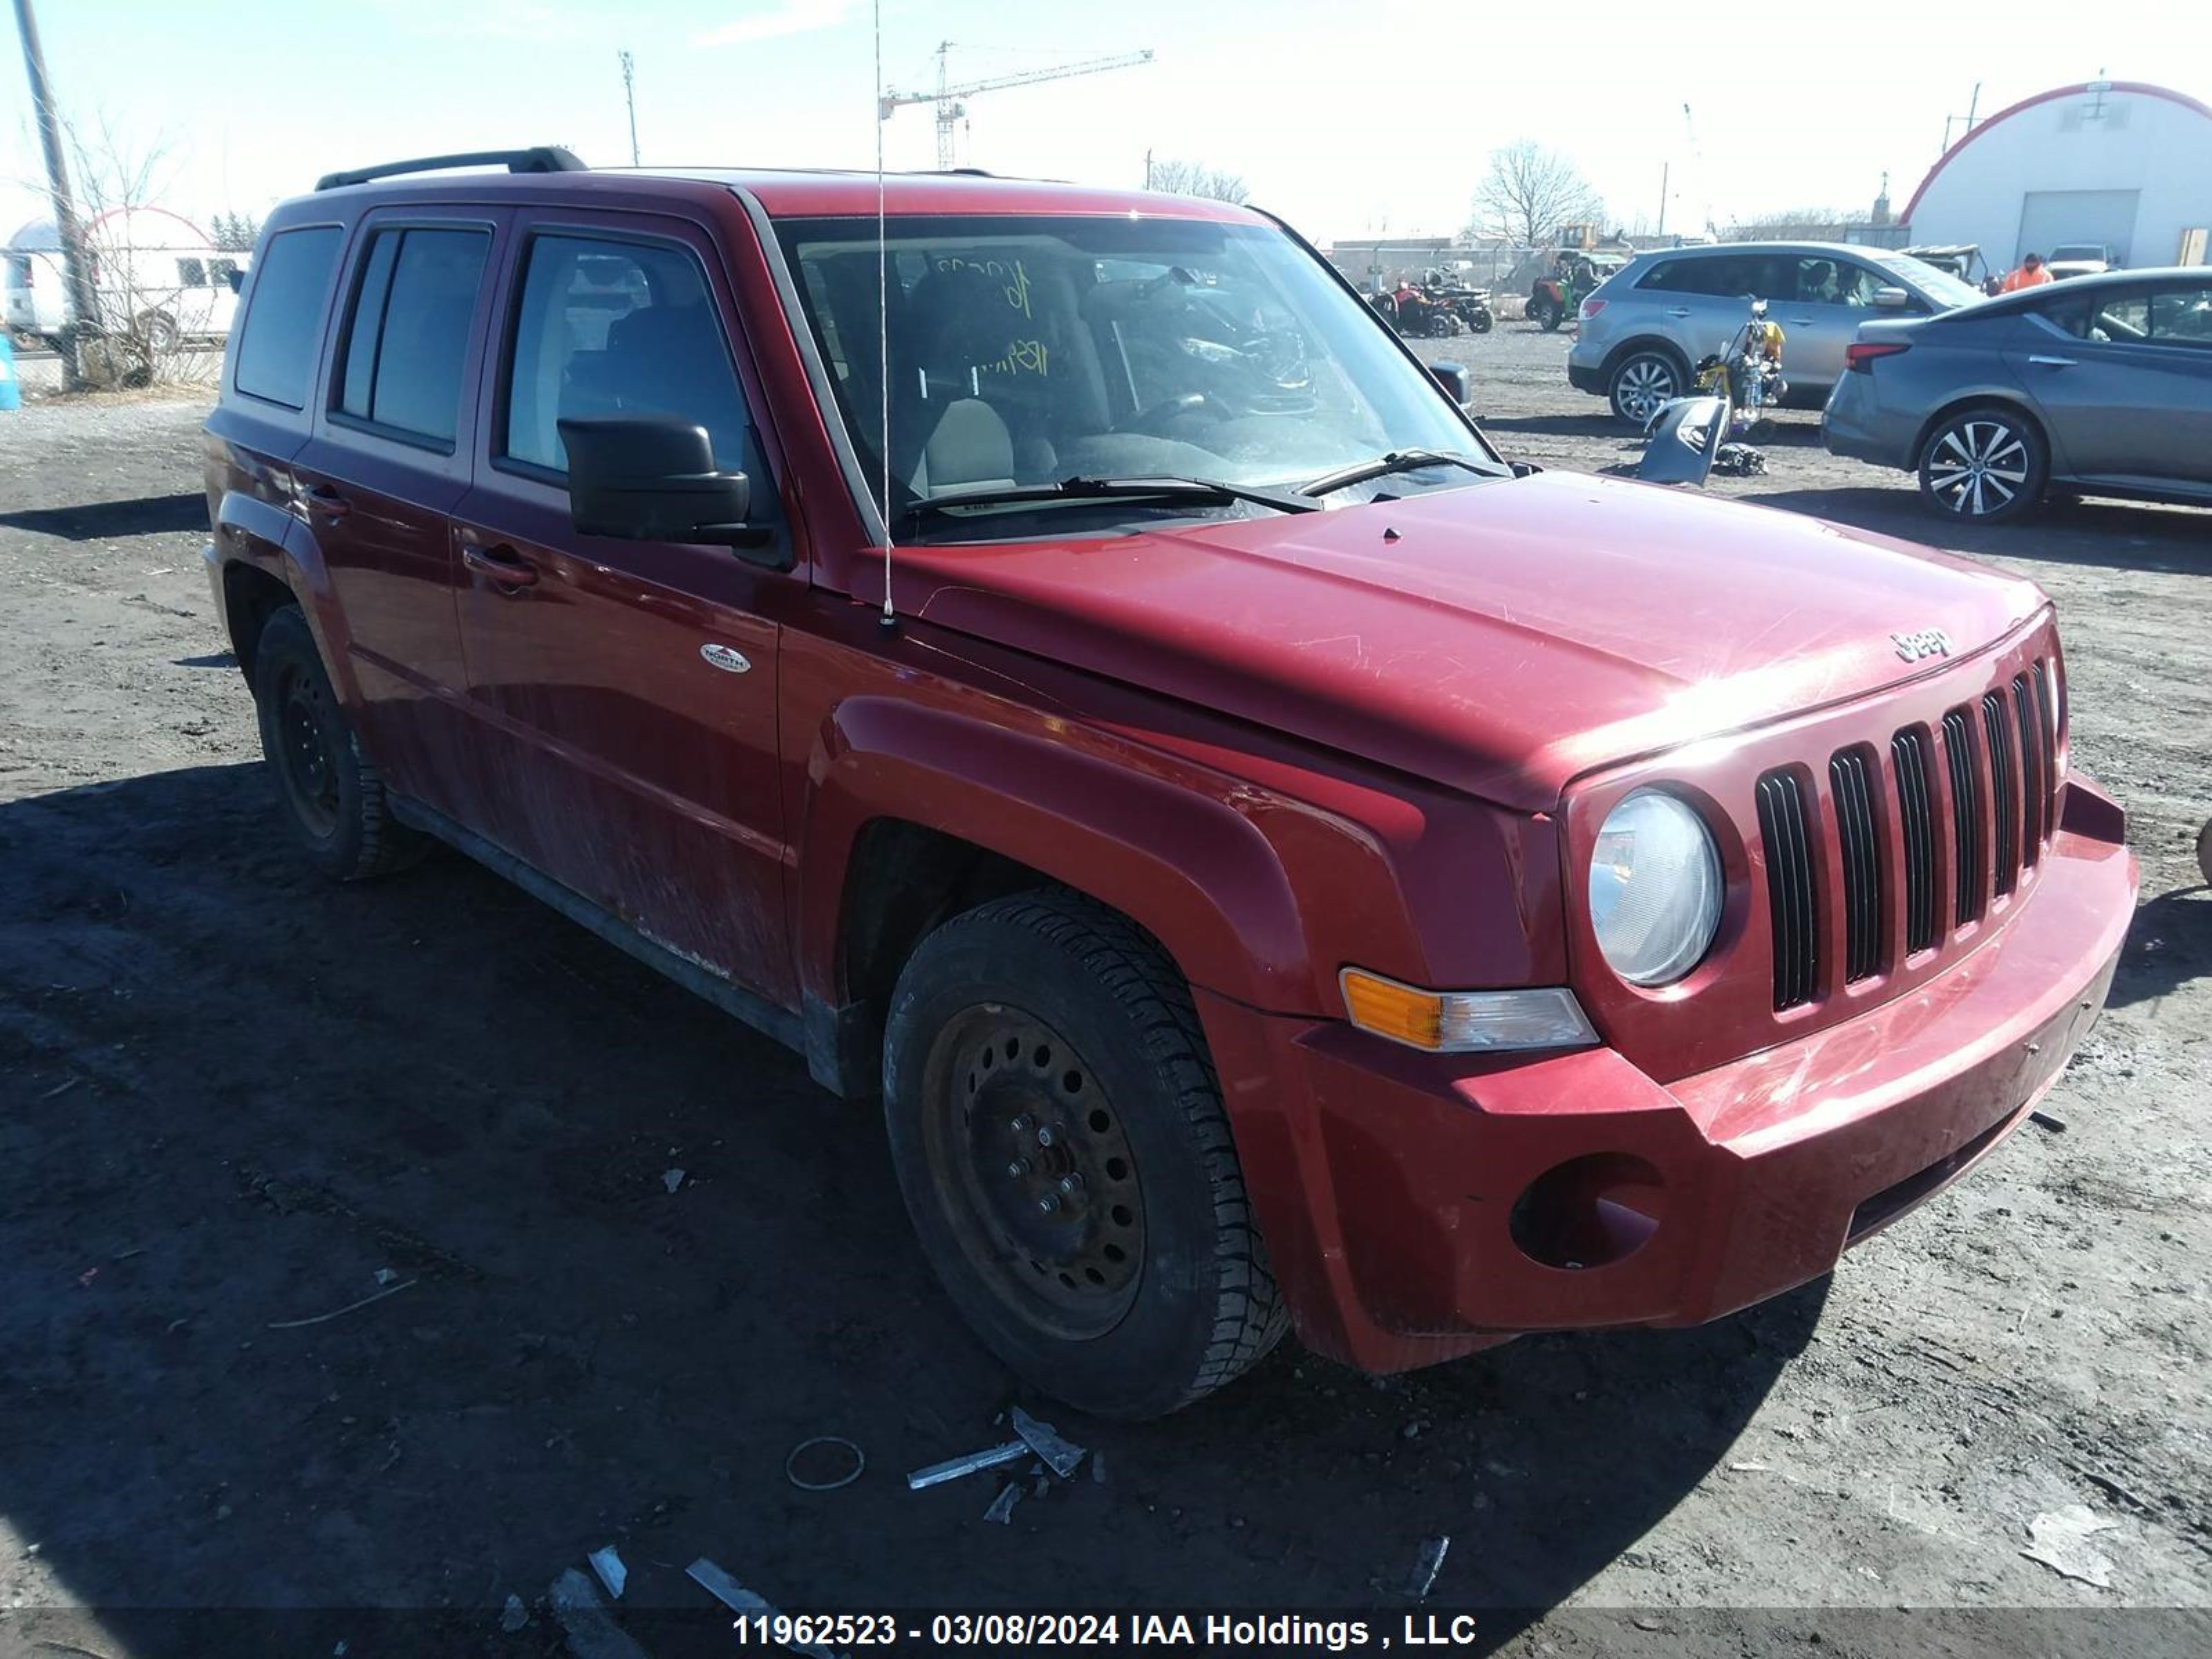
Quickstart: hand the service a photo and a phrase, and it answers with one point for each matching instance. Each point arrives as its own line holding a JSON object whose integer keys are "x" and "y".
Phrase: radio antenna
{"x": 889, "y": 618}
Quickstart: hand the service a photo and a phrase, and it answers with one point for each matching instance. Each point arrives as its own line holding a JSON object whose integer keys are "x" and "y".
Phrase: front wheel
{"x": 1060, "y": 1141}
{"x": 1987, "y": 465}
{"x": 1480, "y": 321}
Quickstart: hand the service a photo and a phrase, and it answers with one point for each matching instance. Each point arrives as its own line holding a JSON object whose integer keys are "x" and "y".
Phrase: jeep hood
{"x": 1502, "y": 638}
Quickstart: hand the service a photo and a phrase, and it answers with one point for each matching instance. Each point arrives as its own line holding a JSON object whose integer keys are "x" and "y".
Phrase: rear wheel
{"x": 1987, "y": 465}
{"x": 1060, "y": 1140}
{"x": 1642, "y": 382}
{"x": 331, "y": 797}
{"x": 1546, "y": 313}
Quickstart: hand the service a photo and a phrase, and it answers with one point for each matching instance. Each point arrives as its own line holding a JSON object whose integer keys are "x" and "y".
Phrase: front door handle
{"x": 322, "y": 499}
{"x": 1801, "y": 322}
{"x": 502, "y": 566}
{"x": 2052, "y": 362}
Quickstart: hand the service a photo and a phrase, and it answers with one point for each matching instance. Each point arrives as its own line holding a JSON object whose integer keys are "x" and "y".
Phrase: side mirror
{"x": 1891, "y": 299}
{"x": 1453, "y": 378}
{"x": 236, "y": 277}
{"x": 652, "y": 478}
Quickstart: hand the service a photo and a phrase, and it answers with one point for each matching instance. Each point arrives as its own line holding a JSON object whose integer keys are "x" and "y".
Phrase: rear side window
{"x": 609, "y": 328}
{"x": 276, "y": 347}
{"x": 1726, "y": 276}
{"x": 407, "y": 336}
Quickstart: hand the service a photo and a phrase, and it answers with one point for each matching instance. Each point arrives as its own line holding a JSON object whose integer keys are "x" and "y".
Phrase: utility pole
{"x": 629, "y": 97}
{"x": 1665, "y": 167}
{"x": 77, "y": 268}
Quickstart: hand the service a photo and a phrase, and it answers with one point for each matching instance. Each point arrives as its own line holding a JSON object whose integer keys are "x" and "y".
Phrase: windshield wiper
{"x": 1398, "y": 460}
{"x": 1214, "y": 491}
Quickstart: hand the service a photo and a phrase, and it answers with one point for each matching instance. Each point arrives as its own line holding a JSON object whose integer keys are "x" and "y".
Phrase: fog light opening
{"x": 1589, "y": 1211}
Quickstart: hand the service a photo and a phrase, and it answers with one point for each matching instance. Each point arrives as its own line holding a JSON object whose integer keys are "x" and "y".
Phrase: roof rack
{"x": 541, "y": 158}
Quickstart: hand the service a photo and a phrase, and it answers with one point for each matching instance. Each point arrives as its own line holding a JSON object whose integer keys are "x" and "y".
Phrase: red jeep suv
{"x": 1054, "y": 657}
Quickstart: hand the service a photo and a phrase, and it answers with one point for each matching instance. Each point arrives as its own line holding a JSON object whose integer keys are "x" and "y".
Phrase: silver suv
{"x": 1644, "y": 329}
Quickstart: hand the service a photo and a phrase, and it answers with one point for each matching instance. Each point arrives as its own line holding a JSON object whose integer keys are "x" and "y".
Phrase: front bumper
{"x": 1386, "y": 1180}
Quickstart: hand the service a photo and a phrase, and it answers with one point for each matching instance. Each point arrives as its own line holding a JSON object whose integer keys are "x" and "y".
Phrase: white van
{"x": 147, "y": 280}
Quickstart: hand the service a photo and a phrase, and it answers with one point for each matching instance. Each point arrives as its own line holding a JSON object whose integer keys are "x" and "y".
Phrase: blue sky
{"x": 1347, "y": 123}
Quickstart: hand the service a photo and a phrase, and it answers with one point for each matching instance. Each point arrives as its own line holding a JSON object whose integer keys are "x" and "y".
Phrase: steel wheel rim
{"x": 1034, "y": 1170}
{"x": 1978, "y": 466}
{"x": 1644, "y": 384}
{"x": 304, "y": 759}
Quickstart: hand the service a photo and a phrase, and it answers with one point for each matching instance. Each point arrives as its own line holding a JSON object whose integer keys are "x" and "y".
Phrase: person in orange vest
{"x": 2031, "y": 274}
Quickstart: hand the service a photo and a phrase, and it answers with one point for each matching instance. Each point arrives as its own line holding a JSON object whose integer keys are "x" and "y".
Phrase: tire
{"x": 1642, "y": 381}
{"x": 1480, "y": 321}
{"x": 1041, "y": 1040}
{"x": 2204, "y": 852}
{"x": 158, "y": 331}
{"x": 331, "y": 797}
{"x": 1984, "y": 465}
{"x": 1546, "y": 313}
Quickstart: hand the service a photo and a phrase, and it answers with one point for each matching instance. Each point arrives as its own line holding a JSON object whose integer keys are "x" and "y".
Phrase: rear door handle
{"x": 322, "y": 499}
{"x": 1678, "y": 311}
{"x": 2052, "y": 362}
{"x": 500, "y": 565}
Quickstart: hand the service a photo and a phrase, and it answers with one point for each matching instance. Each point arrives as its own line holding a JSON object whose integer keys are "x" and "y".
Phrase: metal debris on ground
{"x": 2059, "y": 1539}
{"x": 387, "y": 1275}
{"x": 2045, "y": 1121}
{"x": 1740, "y": 461}
{"x": 591, "y": 1633}
{"x": 350, "y": 1306}
{"x": 1098, "y": 1467}
{"x": 846, "y": 1479}
{"x": 608, "y": 1564}
{"x": 672, "y": 1179}
{"x": 1430, "y": 1563}
{"x": 513, "y": 1616}
{"x": 1060, "y": 1454}
{"x": 1002, "y": 1506}
{"x": 955, "y": 1468}
{"x": 739, "y": 1600}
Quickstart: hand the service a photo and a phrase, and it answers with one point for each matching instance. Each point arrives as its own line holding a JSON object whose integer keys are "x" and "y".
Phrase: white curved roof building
{"x": 2120, "y": 162}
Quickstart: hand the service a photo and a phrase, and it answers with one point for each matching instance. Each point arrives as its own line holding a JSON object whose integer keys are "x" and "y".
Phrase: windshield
{"x": 1938, "y": 285}
{"x": 1027, "y": 350}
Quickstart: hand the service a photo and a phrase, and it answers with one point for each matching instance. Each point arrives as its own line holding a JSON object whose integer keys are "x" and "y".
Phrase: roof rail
{"x": 541, "y": 158}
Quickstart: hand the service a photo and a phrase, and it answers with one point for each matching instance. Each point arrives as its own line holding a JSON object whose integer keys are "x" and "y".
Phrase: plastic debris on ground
{"x": 2059, "y": 1539}
{"x": 672, "y": 1179}
{"x": 591, "y": 1633}
{"x": 609, "y": 1566}
{"x": 739, "y": 1600}
{"x": 1740, "y": 461}
{"x": 1429, "y": 1563}
{"x": 1002, "y": 1506}
{"x": 1062, "y": 1456}
{"x": 513, "y": 1616}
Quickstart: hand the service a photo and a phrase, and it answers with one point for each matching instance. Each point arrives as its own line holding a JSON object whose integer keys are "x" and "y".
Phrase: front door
{"x": 629, "y": 688}
{"x": 389, "y": 457}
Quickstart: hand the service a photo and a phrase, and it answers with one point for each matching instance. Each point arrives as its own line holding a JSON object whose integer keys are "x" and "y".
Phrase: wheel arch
{"x": 1658, "y": 343}
{"x": 1982, "y": 398}
{"x": 916, "y": 813}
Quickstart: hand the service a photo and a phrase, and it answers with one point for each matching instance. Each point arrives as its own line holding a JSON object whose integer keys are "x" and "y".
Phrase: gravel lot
{"x": 233, "y": 1094}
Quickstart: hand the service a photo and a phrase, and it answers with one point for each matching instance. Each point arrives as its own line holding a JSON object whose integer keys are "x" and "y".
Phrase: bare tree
{"x": 149, "y": 298}
{"x": 1530, "y": 194}
{"x": 1791, "y": 224}
{"x": 1195, "y": 179}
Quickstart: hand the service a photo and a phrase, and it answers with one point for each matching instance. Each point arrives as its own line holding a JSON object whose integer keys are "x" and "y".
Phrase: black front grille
{"x": 2005, "y": 786}
{"x": 1784, "y": 831}
{"x": 2034, "y": 768}
{"x": 1858, "y": 841}
{"x": 1966, "y": 819}
{"x": 1908, "y": 754}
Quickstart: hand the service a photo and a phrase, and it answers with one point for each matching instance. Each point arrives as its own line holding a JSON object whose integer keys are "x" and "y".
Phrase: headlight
{"x": 1655, "y": 888}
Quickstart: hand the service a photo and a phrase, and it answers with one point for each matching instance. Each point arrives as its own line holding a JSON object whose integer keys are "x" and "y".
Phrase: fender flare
{"x": 1175, "y": 856}
{"x": 258, "y": 533}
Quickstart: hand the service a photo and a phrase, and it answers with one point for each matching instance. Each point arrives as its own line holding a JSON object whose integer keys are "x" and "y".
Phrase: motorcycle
{"x": 1693, "y": 436}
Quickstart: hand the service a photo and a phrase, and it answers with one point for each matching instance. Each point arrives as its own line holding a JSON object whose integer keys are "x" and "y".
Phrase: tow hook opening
{"x": 1589, "y": 1211}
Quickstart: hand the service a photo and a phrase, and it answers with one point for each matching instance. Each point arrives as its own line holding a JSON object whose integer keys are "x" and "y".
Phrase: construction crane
{"x": 950, "y": 110}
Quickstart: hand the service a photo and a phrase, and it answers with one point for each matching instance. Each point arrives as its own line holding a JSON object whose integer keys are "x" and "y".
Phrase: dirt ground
{"x": 230, "y": 1095}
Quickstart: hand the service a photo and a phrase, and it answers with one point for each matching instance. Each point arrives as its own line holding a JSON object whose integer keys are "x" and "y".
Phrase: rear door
{"x": 628, "y": 689}
{"x": 389, "y": 460}
{"x": 1824, "y": 299}
{"x": 2124, "y": 376}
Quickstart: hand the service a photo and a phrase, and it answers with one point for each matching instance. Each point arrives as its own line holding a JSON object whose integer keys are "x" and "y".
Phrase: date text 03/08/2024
{"x": 1267, "y": 1632}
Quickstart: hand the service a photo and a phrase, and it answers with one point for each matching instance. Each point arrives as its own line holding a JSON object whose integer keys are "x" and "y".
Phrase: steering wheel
{"x": 1149, "y": 420}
